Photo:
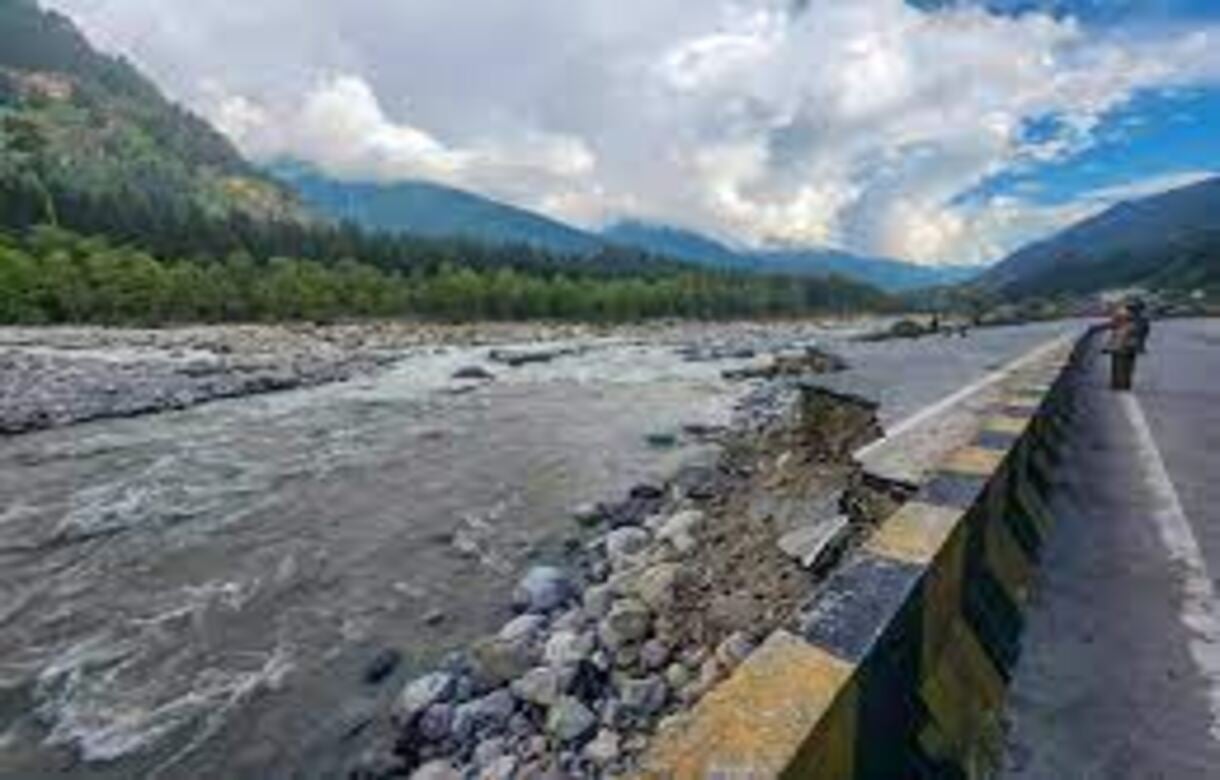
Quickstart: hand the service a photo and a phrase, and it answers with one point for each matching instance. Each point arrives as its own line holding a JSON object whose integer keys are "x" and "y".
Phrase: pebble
{"x": 523, "y": 628}
{"x": 588, "y": 514}
{"x": 734, "y": 649}
{"x": 627, "y": 622}
{"x": 679, "y": 529}
{"x": 677, "y": 676}
{"x": 570, "y": 720}
{"x": 503, "y": 768}
{"x": 489, "y": 750}
{"x": 435, "y": 722}
{"x": 543, "y": 589}
{"x": 656, "y": 586}
{"x": 382, "y": 666}
{"x": 643, "y": 696}
{"x": 420, "y": 694}
{"x": 569, "y": 647}
{"x": 485, "y": 716}
{"x": 474, "y": 372}
{"x": 654, "y": 654}
{"x": 436, "y": 770}
{"x": 623, "y": 543}
{"x": 598, "y": 600}
{"x": 542, "y": 686}
{"x": 604, "y": 748}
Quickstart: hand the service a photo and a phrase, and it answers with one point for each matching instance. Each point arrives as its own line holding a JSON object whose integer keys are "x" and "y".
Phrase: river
{"x": 198, "y": 594}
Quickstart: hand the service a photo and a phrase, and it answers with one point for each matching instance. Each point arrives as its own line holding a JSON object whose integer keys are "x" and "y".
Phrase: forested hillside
{"x": 1169, "y": 241}
{"x": 81, "y": 125}
{"x": 53, "y": 276}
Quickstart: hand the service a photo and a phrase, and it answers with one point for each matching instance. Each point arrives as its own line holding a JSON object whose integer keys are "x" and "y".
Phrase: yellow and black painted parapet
{"x": 900, "y": 665}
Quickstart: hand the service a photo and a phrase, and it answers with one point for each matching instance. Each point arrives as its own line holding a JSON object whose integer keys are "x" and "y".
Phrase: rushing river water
{"x": 197, "y": 594}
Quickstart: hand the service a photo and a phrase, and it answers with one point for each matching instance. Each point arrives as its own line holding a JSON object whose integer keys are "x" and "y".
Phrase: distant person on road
{"x": 1123, "y": 347}
{"x": 1141, "y": 323}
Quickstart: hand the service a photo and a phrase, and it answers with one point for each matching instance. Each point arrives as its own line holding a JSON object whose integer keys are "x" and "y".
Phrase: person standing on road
{"x": 1123, "y": 347}
{"x": 1141, "y": 324}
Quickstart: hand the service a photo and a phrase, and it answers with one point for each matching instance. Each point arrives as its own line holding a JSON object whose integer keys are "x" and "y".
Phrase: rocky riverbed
{"x": 55, "y": 377}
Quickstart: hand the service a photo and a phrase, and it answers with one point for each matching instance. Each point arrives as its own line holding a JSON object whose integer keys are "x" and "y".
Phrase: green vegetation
{"x": 72, "y": 119}
{"x": 53, "y": 276}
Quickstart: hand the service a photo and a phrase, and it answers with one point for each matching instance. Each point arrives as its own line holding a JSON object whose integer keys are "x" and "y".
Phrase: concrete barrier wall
{"x": 902, "y": 659}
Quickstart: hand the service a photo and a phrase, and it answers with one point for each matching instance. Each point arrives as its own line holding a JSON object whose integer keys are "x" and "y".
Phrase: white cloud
{"x": 851, "y": 123}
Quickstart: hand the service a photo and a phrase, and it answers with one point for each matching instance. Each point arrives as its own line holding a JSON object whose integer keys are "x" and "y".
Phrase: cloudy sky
{"x": 937, "y": 131}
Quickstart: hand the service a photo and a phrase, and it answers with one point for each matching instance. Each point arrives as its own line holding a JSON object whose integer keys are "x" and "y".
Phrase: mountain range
{"x": 1170, "y": 240}
{"x": 430, "y": 209}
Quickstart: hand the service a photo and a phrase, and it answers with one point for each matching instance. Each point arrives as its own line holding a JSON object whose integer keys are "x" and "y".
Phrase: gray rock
{"x": 569, "y": 647}
{"x": 810, "y": 544}
{"x": 604, "y": 748}
{"x": 587, "y": 514}
{"x": 523, "y": 629}
{"x": 623, "y": 543}
{"x": 435, "y": 722}
{"x": 734, "y": 649}
{"x": 484, "y": 717}
{"x": 654, "y": 654}
{"x": 572, "y": 620}
{"x": 489, "y": 750}
{"x": 420, "y": 694}
{"x": 503, "y": 768}
{"x": 627, "y": 656}
{"x": 542, "y": 686}
{"x": 436, "y": 770}
{"x": 376, "y": 764}
{"x": 474, "y": 372}
{"x": 496, "y": 661}
{"x": 543, "y": 589}
{"x": 597, "y": 601}
{"x": 656, "y": 585}
{"x": 570, "y": 720}
{"x": 679, "y": 529}
{"x": 677, "y": 676}
{"x": 644, "y": 696}
{"x": 382, "y": 666}
{"x": 627, "y": 622}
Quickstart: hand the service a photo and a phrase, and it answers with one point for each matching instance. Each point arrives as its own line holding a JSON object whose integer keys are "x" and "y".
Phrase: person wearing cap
{"x": 1123, "y": 347}
{"x": 1141, "y": 323}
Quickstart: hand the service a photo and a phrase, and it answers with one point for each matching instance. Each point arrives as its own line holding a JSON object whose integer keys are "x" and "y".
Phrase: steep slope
{"x": 1167, "y": 240}
{"x": 427, "y": 209}
{"x": 78, "y": 124}
{"x": 890, "y": 275}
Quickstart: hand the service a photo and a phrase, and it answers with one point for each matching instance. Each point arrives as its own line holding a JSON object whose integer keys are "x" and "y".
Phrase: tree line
{"x": 50, "y": 275}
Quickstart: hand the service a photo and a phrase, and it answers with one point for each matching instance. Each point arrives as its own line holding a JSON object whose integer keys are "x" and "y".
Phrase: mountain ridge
{"x": 1171, "y": 239}
{"x": 436, "y": 210}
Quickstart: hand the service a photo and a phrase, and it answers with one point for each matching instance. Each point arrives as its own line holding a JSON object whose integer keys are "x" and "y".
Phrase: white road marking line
{"x": 949, "y": 401}
{"x": 1200, "y": 610}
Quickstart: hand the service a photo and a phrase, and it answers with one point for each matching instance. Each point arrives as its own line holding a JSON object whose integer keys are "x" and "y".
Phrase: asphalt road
{"x": 1120, "y": 677}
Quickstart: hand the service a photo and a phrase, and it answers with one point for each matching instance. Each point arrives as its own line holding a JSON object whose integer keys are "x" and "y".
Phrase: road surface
{"x": 1121, "y": 673}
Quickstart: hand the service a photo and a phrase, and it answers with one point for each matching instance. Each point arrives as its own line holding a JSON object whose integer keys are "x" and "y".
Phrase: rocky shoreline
{"x": 676, "y": 586}
{"x": 51, "y": 377}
